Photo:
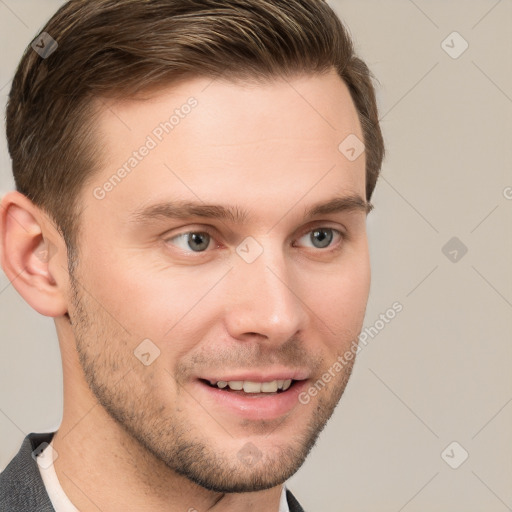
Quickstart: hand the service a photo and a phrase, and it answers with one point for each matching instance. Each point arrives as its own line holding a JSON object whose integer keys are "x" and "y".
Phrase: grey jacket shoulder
{"x": 293, "y": 504}
{"x": 21, "y": 486}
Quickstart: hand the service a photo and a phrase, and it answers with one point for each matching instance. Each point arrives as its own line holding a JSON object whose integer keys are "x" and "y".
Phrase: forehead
{"x": 215, "y": 140}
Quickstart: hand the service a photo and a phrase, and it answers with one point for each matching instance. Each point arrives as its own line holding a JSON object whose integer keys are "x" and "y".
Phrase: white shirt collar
{"x": 59, "y": 499}
{"x": 283, "y": 503}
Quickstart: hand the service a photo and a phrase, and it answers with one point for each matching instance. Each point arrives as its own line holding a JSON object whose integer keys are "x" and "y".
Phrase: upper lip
{"x": 260, "y": 376}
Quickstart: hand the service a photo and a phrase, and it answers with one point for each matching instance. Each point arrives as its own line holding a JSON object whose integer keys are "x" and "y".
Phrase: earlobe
{"x": 29, "y": 250}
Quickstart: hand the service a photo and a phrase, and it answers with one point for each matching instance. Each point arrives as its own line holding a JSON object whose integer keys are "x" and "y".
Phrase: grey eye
{"x": 197, "y": 241}
{"x": 320, "y": 238}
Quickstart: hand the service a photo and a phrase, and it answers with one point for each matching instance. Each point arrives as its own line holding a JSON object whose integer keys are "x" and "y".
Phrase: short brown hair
{"x": 117, "y": 48}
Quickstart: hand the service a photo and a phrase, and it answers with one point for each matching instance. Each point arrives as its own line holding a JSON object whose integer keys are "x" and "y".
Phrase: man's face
{"x": 272, "y": 296}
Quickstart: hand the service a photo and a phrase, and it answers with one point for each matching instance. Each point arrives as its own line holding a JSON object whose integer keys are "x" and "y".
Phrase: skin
{"x": 137, "y": 437}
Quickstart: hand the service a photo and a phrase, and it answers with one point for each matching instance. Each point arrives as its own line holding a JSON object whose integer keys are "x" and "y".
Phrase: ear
{"x": 33, "y": 255}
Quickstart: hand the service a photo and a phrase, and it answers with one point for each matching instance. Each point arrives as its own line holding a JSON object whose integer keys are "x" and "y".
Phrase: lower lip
{"x": 254, "y": 406}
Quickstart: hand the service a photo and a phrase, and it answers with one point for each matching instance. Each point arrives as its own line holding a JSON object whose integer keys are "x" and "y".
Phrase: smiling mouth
{"x": 247, "y": 387}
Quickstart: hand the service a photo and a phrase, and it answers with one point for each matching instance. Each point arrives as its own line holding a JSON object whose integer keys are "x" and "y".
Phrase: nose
{"x": 265, "y": 300}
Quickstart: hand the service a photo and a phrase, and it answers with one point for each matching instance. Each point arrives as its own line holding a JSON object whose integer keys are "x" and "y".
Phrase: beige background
{"x": 440, "y": 370}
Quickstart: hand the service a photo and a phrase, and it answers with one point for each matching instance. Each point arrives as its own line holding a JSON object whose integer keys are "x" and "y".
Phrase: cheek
{"x": 339, "y": 300}
{"x": 165, "y": 305}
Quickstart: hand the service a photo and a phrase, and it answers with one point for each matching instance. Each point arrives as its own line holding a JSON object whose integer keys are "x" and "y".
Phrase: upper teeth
{"x": 255, "y": 387}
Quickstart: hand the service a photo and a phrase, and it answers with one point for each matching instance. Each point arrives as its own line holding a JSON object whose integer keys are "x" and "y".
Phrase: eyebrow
{"x": 237, "y": 215}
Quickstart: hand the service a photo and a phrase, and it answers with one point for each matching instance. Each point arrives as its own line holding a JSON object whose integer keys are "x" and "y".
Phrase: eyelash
{"x": 337, "y": 247}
